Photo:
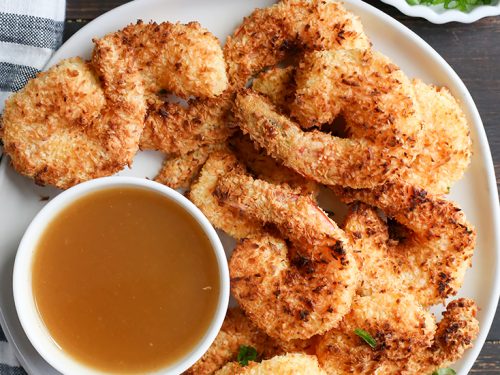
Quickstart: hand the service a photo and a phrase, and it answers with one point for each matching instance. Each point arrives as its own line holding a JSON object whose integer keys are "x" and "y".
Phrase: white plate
{"x": 438, "y": 14}
{"x": 476, "y": 192}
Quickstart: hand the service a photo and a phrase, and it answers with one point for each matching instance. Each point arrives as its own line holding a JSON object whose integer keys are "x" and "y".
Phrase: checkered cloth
{"x": 30, "y": 32}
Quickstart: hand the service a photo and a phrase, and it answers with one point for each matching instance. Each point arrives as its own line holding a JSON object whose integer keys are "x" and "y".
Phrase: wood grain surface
{"x": 472, "y": 50}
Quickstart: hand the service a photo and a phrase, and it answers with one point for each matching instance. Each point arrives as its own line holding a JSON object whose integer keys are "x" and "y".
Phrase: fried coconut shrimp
{"x": 298, "y": 217}
{"x": 269, "y": 34}
{"x": 405, "y": 339}
{"x": 289, "y": 364}
{"x": 319, "y": 156}
{"x": 176, "y": 130}
{"x": 222, "y": 216}
{"x": 268, "y": 169}
{"x": 278, "y": 84}
{"x": 427, "y": 258}
{"x": 237, "y": 330}
{"x": 178, "y": 172}
{"x": 292, "y": 292}
{"x": 184, "y": 59}
{"x": 374, "y": 96}
{"x": 446, "y": 143}
{"x": 72, "y": 123}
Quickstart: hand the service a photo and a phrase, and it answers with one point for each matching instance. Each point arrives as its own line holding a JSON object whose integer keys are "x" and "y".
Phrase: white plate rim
{"x": 481, "y": 138}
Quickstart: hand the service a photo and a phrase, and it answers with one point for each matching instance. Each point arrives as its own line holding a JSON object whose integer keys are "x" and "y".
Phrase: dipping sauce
{"x": 125, "y": 280}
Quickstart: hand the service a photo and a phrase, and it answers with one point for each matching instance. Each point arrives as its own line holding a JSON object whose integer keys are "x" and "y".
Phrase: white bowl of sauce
{"x": 121, "y": 275}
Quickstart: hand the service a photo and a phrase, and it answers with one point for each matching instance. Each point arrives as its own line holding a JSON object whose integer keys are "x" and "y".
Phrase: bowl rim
{"x": 448, "y": 15}
{"x": 30, "y": 319}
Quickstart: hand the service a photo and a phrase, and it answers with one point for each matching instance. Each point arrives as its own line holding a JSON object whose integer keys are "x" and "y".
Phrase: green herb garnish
{"x": 366, "y": 337}
{"x": 246, "y": 354}
{"x": 462, "y": 5}
{"x": 444, "y": 371}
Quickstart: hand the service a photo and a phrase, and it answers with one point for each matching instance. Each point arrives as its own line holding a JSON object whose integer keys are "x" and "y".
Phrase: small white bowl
{"x": 438, "y": 14}
{"x": 22, "y": 278}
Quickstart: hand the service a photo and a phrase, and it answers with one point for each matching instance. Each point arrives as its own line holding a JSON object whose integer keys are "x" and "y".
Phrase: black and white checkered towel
{"x": 30, "y": 32}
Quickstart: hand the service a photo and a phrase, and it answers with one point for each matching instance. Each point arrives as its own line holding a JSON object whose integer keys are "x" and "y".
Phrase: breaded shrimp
{"x": 178, "y": 172}
{"x": 298, "y": 217}
{"x": 268, "y": 169}
{"x": 315, "y": 155}
{"x": 446, "y": 145}
{"x": 176, "y": 130}
{"x": 292, "y": 292}
{"x": 289, "y": 364}
{"x": 223, "y": 217}
{"x": 278, "y": 84}
{"x": 184, "y": 59}
{"x": 407, "y": 340}
{"x": 454, "y": 335}
{"x": 269, "y": 34}
{"x": 374, "y": 96}
{"x": 237, "y": 330}
{"x": 72, "y": 123}
{"x": 429, "y": 261}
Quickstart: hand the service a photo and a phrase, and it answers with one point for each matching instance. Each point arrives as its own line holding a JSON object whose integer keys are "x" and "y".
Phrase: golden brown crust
{"x": 292, "y": 293}
{"x": 374, "y": 96}
{"x": 289, "y": 364}
{"x": 396, "y": 322}
{"x": 446, "y": 145}
{"x": 180, "y": 171}
{"x": 455, "y": 334}
{"x": 184, "y": 59}
{"x": 66, "y": 126}
{"x": 267, "y": 35}
{"x": 278, "y": 84}
{"x": 316, "y": 155}
{"x": 237, "y": 330}
{"x": 268, "y": 169}
{"x": 177, "y": 130}
{"x": 233, "y": 222}
{"x": 431, "y": 261}
{"x": 298, "y": 217}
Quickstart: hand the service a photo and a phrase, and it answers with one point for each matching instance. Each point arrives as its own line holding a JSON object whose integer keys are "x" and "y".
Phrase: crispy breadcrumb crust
{"x": 266, "y": 36}
{"x": 68, "y": 126}
{"x": 398, "y": 324}
{"x": 432, "y": 259}
{"x": 374, "y": 96}
{"x": 455, "y": 333}
{"x": 184, "y": 59}
{"x": 177, "y": 130}
{"x": 315, "y": 155}
{"x": 292, "y": 292}
{"x": 268, "y": 169}
{"x": 237, "y": 330}
{"x": 289, "y": 364}
{"x": 233, "y": 222}
{"x": 446, "y": 145}
{"x": 278, "y": 84}
{"x": 179, "y": 172}
{"x": 408, "y": 341}
{"x": 298, "y": 217}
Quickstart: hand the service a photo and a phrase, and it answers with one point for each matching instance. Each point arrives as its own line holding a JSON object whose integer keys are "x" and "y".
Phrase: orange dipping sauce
{"x": 125, "y": 280}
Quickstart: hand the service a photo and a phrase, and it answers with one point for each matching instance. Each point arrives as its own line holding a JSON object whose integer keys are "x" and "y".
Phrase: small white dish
{"x": 438, "y": 14}
{"x": 26, "y": 308}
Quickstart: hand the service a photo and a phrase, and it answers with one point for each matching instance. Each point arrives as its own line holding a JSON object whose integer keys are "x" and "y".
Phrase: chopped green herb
{"x": 246, "y": 354}
{"x": 462, "y": 5}
{"x": 366, "y": 337}
{"x": 444, "y": 371}
{"x": 448, "y": 190}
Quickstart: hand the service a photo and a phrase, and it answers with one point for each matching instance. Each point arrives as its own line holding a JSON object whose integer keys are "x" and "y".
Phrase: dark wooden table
{"x": 472, "y": 50}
